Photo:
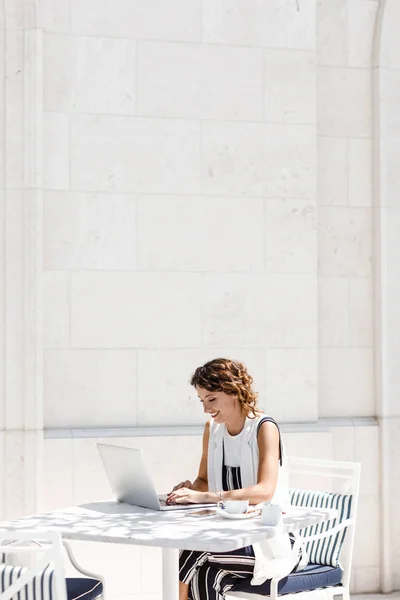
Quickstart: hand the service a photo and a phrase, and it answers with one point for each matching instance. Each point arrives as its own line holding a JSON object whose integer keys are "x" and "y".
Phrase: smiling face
{"x": 222, "y": 407}
{"x": 237, "y": 400}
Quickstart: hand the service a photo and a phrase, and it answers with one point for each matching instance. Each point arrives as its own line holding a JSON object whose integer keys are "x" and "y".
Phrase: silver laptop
{"x": 130, "y": 481}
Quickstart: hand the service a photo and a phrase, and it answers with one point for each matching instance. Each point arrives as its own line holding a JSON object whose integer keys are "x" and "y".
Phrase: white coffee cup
{"x": 235, "y": 507}
{"x": 271, "y": 514}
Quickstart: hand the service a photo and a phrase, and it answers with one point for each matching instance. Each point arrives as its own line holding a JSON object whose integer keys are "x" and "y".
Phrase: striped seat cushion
{"x": 42, "y": 586}
{"x": 327, "y": 550}
{"x": 312, "y": 577}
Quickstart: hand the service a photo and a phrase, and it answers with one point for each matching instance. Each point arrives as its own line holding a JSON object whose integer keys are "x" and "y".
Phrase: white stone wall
{"x": 190, "y": 179}
{"x": 179, "y": 209}
{"x": 386, "y": 62}
{"x": 210, "y": 201}
{"x": 344, "y": 107}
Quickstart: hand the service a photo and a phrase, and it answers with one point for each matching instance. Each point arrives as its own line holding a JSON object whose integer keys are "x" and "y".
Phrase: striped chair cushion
{"x": 327, "y": 550}
{"x": 42, "y": 586}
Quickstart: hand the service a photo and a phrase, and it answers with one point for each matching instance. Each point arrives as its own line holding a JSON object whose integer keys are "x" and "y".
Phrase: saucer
{"x": 235, "y": 516}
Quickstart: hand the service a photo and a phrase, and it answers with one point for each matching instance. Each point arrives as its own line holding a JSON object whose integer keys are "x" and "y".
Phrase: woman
{"x": 243, "y": 458}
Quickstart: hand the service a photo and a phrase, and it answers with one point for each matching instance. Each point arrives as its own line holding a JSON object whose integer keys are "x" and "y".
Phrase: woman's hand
{"x": 185, "y": 495}
{"x": 184, "y": 484}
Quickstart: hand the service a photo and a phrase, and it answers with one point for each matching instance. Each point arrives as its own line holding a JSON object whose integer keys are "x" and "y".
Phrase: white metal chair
{"x": 41, "y": 572}
{"x": 330, "y": 543}
{"x": 89, "y": 574}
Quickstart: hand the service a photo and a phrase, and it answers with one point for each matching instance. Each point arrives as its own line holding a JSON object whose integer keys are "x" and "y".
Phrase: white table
{"x": 171, "y": 530}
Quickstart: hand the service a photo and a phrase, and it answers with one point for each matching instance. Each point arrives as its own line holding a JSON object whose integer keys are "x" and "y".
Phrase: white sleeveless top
{"x": 232, "y": 444}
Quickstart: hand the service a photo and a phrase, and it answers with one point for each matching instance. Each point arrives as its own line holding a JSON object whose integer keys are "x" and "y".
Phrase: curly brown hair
{"x": 231, "y": 377}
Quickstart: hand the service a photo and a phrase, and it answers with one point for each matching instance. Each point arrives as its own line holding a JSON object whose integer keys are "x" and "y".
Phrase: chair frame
{"x": 332, "y": 469}
{"x": 81, "y": 570}
{"x": 50, "y": 553}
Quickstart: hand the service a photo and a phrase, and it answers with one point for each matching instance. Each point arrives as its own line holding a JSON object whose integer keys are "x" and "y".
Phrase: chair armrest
{"x": 329, "y": 532}
{"x": 78, "y": 567}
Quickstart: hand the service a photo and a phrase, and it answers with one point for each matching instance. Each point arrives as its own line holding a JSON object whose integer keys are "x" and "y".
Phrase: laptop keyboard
{"x": 163, "y": 500}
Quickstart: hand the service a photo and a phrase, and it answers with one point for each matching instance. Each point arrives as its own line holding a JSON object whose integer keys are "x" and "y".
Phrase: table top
{"x": 115, "y": 522}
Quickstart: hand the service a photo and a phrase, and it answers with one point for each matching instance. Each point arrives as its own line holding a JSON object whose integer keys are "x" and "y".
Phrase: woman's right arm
{"x": 201, "y": 482}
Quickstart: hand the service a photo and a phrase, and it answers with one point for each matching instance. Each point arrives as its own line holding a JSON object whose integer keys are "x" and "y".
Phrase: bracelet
{"x": 219, "y": 495}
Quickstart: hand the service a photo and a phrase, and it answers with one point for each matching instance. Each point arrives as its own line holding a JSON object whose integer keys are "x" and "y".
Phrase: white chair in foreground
{"x": 329, "y": 545}
{"x": 40, "y": 576}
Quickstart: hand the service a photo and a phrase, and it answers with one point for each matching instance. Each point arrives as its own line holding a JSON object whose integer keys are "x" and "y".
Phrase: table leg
{"x": 170, "y": 574}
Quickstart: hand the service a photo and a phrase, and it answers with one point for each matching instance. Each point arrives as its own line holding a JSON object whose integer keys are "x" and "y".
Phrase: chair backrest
{"x": 42, "y": 580}
{"x": 343, "y": 483}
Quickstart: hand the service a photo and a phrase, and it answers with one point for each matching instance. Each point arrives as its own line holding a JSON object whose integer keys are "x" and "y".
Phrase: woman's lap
{"x": 215, "y": 572}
